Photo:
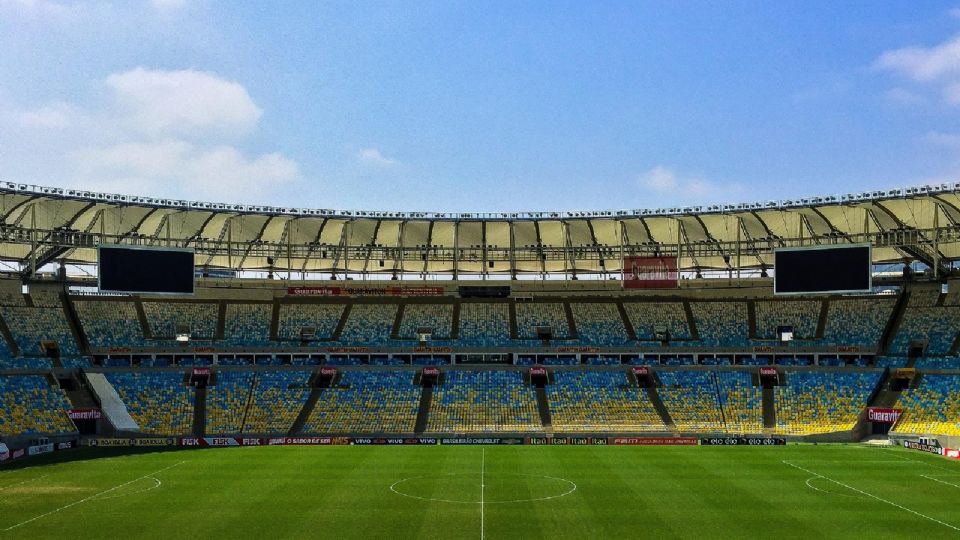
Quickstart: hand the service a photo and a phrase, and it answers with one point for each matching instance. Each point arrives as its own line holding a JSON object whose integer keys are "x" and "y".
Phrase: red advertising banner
{"x": 201, "y": 372}
{"x": 883, "y": 416}
{"x": 641, "y": 371}
{"x": 328, "y": 371}
{"x": 85, "y": 414}
{"x": 654, "y": 441}
{"x": 431, "y": 371}
{"x": 650, "y": 272}
{"x": 951, "y": 453}
{"x": 538, "y": 370}
{"x": 307, "y": 441}
{"x": 768, "y": 371}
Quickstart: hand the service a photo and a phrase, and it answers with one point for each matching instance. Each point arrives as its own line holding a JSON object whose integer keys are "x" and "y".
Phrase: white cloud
{"x": 902, "y": 96}
{"x": 659, "y": 179}
{"x": 177, "y": 168}
{"x": 162, "y": 133}
{"x": 955, "y": 13}
{"x": 36, "y": 9}
{"x": 168, "y": 7}
{"x": 57, "y": 115}
{"x": 923, "y": 64}
{"x": 183, "y": 102}
{"x": 374, "y": 156}
{"x": 671, "y": 186}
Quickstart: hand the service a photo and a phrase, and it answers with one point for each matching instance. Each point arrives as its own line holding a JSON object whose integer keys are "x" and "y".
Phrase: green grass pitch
{"x": 491, "y": 492}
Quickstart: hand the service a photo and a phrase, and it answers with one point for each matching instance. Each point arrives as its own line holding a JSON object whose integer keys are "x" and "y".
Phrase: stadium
{"x": 425, "y": 374}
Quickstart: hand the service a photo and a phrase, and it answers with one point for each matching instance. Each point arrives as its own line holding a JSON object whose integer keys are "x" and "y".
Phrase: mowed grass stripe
{"x": 343, "y": 492}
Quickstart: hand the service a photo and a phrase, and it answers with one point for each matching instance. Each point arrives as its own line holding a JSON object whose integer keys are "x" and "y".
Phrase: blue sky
{"x": 479, "y": 106}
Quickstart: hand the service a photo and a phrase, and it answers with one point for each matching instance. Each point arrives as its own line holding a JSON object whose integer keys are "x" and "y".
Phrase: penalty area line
{"x": 872, "y": 496}
{"x": 104, "y": 492}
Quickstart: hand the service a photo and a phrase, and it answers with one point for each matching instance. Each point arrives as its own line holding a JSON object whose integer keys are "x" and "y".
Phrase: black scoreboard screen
{"x": 822, "y": 269}
{"x": 145, "y": 270}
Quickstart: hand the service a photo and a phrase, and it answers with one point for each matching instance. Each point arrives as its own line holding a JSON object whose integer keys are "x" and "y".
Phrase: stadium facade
{"x": 322, "y": 323}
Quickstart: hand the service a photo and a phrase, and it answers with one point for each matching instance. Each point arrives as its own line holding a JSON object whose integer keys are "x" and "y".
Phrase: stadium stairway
{"x": 660, "y": 407}
{"x": 307, "y": 410}
{"x": 199, "y": 412}
{"x": 74, "y": 321}
{"x": 883, "y": 396}
{"x": 627, "y": 323}
{"x": 894, "y": 323}
{"x": 543, "y": 406}
{"x": 769, "y": 409}
{"x": 423, "y": 413}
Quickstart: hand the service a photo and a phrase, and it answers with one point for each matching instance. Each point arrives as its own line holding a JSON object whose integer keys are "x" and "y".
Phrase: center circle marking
{"x": 568, "y": 487}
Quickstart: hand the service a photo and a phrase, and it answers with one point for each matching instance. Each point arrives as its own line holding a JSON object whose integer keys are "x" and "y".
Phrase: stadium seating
{"x": 369, "y": 325}
{"x": 531, "y": 315}
{"x": 160, "y": 402}
{"x": 932, "y": 408}
{"x": 817, "y": 402}
{"x": 647, "y": 317}
{"x": 857, "y": 321}
{"x": 165, "y": 317}
{"x": 741, "y": 402}
{"x": 483, "y": 402}
{"x": 110, "y": 323}
{"x": 438, "y": 317}
{"x": 31, "y": 325}
{"x": 600, "y": 401}
{"x": 324, "y": 318}
{"x": 227, "y": 402}
{"x": 802, "y": 315}
{"x": 939, "y": 326}
{"x": 943, "y": 362}
{"x": 27, "y": 362}
{"x": 721, "y": 324}
{"x": 599, "y": 323}
{"x": 277, "y": 398}
{"x": 367, "y": 402}
{"x": 484, "y": 324}
{"x": 247, "y": 325}
{"x": 691, "y": 399}
{"x": 30, "y": 406}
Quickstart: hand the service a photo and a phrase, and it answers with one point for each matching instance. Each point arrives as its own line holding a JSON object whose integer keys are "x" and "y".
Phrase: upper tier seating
{"x": 802, "y": 315}
{"x": 600, "y": 401}
{"x": 483, "y": 402}
{"x": 227, "y": 402}
{"x": 484, "y": 324}
{"x": 110, "y": 323}
{"x": 531, "y": 315}
{"x": 367, "y": 402}
{"x": 247, "y": 325}
{"x": 160, "y": 402}
{"x": 721, "y": 324}
{"x": 369, "y": 325}
{"x": 438, "y": 317}
{"x": 30, "y": 406}
{"x": 599, "y": 323}
{"x": 815, "y": 402}
{"x": 938, "y": 326}
{"x": 324, "y": 318}
{"x": 165, "y": 317}
{"x": 932, "y": 408}
{"x": 648, "y": 317}
{"x": 31, "y": 325}
{"x": 857, "y": 321}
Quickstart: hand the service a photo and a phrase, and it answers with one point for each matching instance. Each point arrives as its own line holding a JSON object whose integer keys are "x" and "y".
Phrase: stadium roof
{"x": 43, "y": 224}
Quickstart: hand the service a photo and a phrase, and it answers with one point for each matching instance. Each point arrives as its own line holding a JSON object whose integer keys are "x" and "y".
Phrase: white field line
{"x": 114, "y": 488}
{"x": 25, "y": 482}
{"x": 941, "y": 481}
{"x": 815, "y": 488}
{"x": 872, "y": 496}
{"x": 483, "y": 459}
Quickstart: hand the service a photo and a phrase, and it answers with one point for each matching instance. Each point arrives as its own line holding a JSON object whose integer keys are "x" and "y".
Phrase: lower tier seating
{"x": 600, "y": 401}
{"x": 367, "y": 402}
{"x": 483, "y": 402}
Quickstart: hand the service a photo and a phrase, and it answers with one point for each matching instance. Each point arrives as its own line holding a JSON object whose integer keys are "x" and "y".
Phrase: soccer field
{"x": 487, "y": 492}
